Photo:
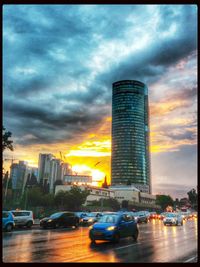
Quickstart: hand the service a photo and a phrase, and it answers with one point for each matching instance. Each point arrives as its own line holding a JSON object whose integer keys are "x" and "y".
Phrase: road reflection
{"x": 156, "y": 243}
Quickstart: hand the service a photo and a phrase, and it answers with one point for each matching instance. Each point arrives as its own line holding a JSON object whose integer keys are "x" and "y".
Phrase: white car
{"x": 23, "y": 218}
{"x": 173, "y": 219}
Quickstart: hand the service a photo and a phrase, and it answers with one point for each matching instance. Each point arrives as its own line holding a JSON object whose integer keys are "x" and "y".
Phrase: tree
{"x": 164, "y": 201}
{"x": 112, "y": 203}
{"x": 33, "y": 196}
{"x": 125, "y": 204}
{"x": 6, "y": 142}
{"x": 48, "y": 200}
{"x": 57, "y": 182}
{"x": 105, "y": 185}
{"x": 60, "y": 198}
{"x": 32, "y": 180}
{"x": 192, "y": 195}
{"x": 77, "y": 197}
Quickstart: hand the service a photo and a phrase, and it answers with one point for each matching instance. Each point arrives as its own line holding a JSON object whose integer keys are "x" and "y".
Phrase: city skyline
{"x": 59, "y": 63}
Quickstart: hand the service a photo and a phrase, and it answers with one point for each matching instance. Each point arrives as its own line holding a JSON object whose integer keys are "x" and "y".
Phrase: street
{"x": 156, "y": 243}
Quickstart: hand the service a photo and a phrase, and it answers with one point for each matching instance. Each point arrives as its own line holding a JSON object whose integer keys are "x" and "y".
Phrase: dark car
{"x": 90, "y": 218}
{"x": 7, "y": 221}
{"x": 141, "y": 216}
{"x": 112, "y": 227}
{"x": 60, "y": 219}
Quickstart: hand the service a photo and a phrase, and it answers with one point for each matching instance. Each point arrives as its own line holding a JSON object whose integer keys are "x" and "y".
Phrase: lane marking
{"x": 190, "y": 259}
{"x": 131, "y": 245}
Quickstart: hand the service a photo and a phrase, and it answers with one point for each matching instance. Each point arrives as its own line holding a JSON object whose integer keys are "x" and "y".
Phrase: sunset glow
{"x": 57, "y": 97}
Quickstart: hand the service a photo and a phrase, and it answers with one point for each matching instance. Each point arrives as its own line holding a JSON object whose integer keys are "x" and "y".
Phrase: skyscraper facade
{"x": 130, "y": 163}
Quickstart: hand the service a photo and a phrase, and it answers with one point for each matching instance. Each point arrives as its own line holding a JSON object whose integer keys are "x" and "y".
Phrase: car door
{"x": 5, "y": 218}
{"x": 123, "y": 227}
{"x": 67, "y": 219}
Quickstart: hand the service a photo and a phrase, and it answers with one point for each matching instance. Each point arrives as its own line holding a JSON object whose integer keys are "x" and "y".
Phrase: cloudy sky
{"x": 59, "y": 63}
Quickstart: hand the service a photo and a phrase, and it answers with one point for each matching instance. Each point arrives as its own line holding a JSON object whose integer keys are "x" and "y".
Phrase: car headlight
{"x": 91, "y": 227}
{"x": 90, "y": 220}
{"x": 49, "y": 220}
{"x": 111, "y": 228}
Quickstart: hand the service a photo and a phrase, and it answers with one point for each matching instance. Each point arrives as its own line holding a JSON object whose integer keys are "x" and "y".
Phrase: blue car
{"x": 7, "y": 221}
{"x": 112, "y": 227}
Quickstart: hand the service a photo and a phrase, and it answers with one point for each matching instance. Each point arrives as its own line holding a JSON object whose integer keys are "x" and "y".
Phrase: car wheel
{"x": 146, "y": 221}
{"x": 76, "y": 224}
{"x": 116, "y": 238}
{"x": 177, "y": 223}
{"x": 9, "y": 227}
{"x": 29, "y": 224}
{"x": 135, "y": 235}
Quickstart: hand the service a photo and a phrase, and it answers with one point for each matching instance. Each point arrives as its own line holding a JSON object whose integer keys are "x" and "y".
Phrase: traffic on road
{"x": 113, "y": 237}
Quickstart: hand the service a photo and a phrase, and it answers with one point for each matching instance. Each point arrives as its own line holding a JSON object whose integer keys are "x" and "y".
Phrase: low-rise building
{"x": 79, "y": 179}
{"x": 123, "y": 192}
{"x": 96, "y": 193}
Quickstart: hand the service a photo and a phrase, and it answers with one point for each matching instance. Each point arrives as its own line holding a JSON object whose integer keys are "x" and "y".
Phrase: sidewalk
{"x": 36, "y": 221}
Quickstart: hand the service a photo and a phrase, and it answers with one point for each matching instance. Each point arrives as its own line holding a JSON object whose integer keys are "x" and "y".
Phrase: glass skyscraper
{"x": 130, "y": 163}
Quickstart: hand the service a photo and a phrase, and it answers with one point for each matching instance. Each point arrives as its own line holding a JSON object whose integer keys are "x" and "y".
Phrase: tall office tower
{"x": 19, "y": 173}
{"x": 44, "y": 168}
{"x": 130, "y": 164}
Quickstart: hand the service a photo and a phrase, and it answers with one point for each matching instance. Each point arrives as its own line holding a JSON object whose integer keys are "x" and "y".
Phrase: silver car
{"x": 173, "y": 219}
{"x": 23, "y": 218}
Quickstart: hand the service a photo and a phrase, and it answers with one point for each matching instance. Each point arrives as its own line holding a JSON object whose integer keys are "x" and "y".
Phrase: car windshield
{"x": 108, "y": 219}
{"x": 56, "y": 215}
{"x": 171, "y": 215}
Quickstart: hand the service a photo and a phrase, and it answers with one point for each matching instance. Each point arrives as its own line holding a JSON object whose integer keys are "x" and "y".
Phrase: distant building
{"x": 130, "y": 161}
{"x": 51, "y": 170}
{"x": 120, "y": 193}
{"x": 44, "y": 168}
{"x": 96, "y": 193}
{"x": 79, "y": 179}
{"x": 19, "y": 173}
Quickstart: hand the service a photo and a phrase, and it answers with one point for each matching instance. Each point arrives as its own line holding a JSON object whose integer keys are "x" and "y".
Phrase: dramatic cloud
{"x": 59, "y": 63}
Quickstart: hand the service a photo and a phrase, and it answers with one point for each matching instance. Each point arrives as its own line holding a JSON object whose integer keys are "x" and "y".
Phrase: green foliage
{"x": 34, "y": 196}
{"x": 6, "y": 142}
{"x": 164, "y": 201}
{"x": 48, "y": 200}
{"x": 192, "y": 195}
{"x": 125, "y": 204}
{"x": 72, "y": 199}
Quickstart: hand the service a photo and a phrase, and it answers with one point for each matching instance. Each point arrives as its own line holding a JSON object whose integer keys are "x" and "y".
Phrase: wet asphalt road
{"x": 156, "y": 243}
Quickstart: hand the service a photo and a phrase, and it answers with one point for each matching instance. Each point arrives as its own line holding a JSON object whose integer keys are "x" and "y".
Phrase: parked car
{"x": 173, "y": 219}
{"x": 91, "y": 218}
{"x": 60, "y": 219}
{"x": 23, "y": 218}
{"x": 112, "y": 227}
{"x": 7, "y": 221}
